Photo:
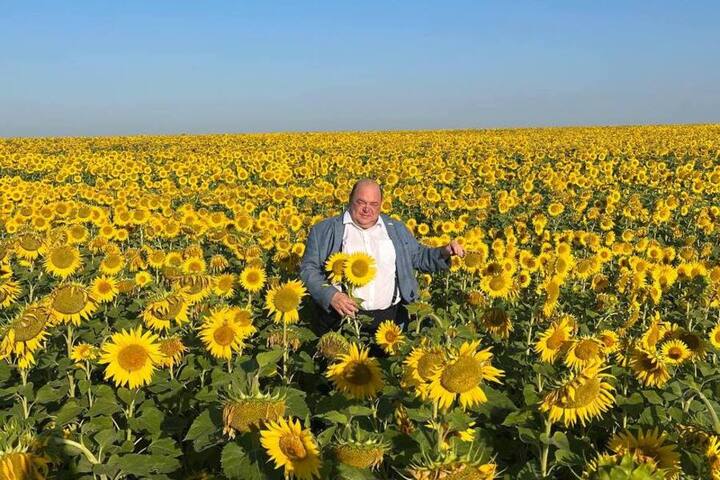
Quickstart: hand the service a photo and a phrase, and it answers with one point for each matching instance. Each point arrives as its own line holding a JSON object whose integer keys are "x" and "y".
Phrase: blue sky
{"x": 103, "y": 68}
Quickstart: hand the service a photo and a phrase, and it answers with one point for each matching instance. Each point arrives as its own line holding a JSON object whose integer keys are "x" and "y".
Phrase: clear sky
{"x": 98, "y": 67}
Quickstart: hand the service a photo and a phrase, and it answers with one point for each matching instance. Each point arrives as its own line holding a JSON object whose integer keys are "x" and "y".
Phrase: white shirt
{"x": 375, "y": 241}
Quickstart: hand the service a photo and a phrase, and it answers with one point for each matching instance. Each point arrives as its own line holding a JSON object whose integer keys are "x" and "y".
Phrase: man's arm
{"x": 312, "y": 272}
{"x": 425, "y": 259}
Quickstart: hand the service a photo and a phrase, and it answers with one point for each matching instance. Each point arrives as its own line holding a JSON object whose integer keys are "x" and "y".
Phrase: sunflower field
{"x": 153, "y": 323}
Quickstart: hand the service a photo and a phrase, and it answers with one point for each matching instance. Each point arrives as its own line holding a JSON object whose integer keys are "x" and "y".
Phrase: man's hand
{"x": 453, "y": 248}
{"x": 343, "y": 304}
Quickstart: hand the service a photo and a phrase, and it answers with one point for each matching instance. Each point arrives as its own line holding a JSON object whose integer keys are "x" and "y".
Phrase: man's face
{"x": 365, "y": 207}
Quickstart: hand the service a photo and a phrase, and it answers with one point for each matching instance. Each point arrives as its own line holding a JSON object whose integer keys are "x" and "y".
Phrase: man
{"x": 397, "y": 255}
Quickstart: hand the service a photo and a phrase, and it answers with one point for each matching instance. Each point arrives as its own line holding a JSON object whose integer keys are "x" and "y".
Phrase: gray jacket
{"x": 326, "y": 237}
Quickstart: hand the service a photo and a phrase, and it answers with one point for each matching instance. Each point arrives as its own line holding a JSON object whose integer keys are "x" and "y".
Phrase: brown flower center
{"x": 132, "y": 357}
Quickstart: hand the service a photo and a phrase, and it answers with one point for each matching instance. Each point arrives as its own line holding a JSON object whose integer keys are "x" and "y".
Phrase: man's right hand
{"x": 343, "y": 304}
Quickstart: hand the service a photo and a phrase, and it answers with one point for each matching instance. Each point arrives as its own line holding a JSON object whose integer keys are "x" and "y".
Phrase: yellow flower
{"x": 359, "y": 269}
{"x": 583, "y": 352}
{"x": 462, "y": 377}
{"x": 71, "y": 302}
{"x": 389, "y": 336}
{"x": 172, "y": 349}
{"x": 335, "y": 266}
{"x": 252, "y": 279}
{"x": 584, "y": 396}
{"x": 83, "y": 352}
{"x": 555, "y": 339}
{"x": 62, "y": 261}
{"x": 283, "y": 301}
{"x": 675, "y": 352}
{"x": 715, "y": 336}
{"x": 650, "y": 447}
{"x": 131, "y": 357}
{"x": 220, "y": 334}
{"x": 356, "y": 374}
{"x": 292, "y": 448}
{"x": 104, "y": 289}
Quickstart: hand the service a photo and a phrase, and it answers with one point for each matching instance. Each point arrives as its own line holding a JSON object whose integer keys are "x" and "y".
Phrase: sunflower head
{"x": 242, "y": 413}
{"x": 359, "y": 269}
{"x": 497, "y": 321}
{"x": 650, "y": 447}
{"x": 252, "y": 278}
{"x": 389, "y": 336}
{"x": 360, "y": 452}
{"x": 292, "y": 448}
{"x": 331, "y": 345}
{"x": 283, "y": 301}
{"x": 356, "y": 374}
{"x": 173, "y": 350}
{"x": 131, "y": 357}
{"x": 335, "y": 266}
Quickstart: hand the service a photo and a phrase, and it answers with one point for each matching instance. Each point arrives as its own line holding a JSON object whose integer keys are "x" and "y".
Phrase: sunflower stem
{"x": 711, "y": 410}
{"x": 545, "y": 449}
{"x": 71, "y": 378}
{"x": 23, "y": 398}
{"x": 129, "y": 412}
{"x": 285, "y": 353}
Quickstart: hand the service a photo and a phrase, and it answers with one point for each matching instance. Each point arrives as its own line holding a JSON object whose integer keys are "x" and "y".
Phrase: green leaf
{"x": 653, "y": 397}
{"x": 267, "y": 361}
{"x": 48, "y": 394}
{"x": 126, "y": 395}
{"x": 353, "y": 473}
{"x": 69, "y": 412}
{"x": 517, "y": 418}
{"x": 144, "y": 465}
{"x": 150, "y": 420}
{"x": 359, "y": 411}
{"x": 236, "y": 464}
{"x": 165, "y": 446}
{"x": 335, "y": 417}
{"x": 201, "y": 430}
{"x": 104, "y": 406}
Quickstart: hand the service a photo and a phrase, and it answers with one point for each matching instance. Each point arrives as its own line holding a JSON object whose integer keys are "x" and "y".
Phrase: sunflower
{"x": 649, "y": 368}
{"x": 112, "y": 264}
{"x": 23, "y": 466}
{"x": 335, "y": 266}
{"x": 225, "y": 285}
{"x": 283, "y": 301}
{"x": 359, "y": 269}
{"x": 9, "y": 292}
{"x": 584, "y": 396}
{"x": 583, "y": 352}
{"x": 62, "y": 261}
{"x": 131, "y": 357}
{"x": 715, "y": 336}
{"x": 292, "y": 448}
{"x": 29, "y": 246}
{"x": 26, "y": 333}
{"x": 193, "y": 266}
{"x": 473, "y": 261}
{"x": 104, "y": 289}
{"x": 552, "y": 288}
{"x": 462, "y": 377}
{"x": 360, "y": 454}
{"x": 242, "y": 413}
{"x": 649, "y": 447}
{"x": 243, "y": 319}
{"x": 497, "y": 322}
{"x": 498, "y": 286}
{"x": 252, "y": 279}
{"x": 610, "y": 341}
{"x": 555, "y": 339}
{"x": 83, "y": 352}
{"x": 389, "y": 336}
{"x": 143, "y": 279}
{"x": 420, "y": 366}
{"x": 71, "y": 302}
{"x": 331, "y": 345}
{"x": 172, "y": 349}
{"x": 220, "y": 334}
{"x": 675, "y": 352}
{"x": 356, "y": 374}
{"x": 160, "y": 312}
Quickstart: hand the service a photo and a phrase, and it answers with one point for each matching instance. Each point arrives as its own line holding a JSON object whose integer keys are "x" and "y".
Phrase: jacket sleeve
{"x": 312, "y": 274}
{"x": 425, "y": 259}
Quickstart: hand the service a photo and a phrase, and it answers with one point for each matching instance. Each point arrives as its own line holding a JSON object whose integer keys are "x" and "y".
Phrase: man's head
{"x": 365, "y": 203}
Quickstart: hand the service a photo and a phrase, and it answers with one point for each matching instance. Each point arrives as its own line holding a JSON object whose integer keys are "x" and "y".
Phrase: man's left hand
{"x": 453, "y": 248}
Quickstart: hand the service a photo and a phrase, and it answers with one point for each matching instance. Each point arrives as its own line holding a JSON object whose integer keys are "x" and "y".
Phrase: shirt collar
{"x": 348, "y": 219}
